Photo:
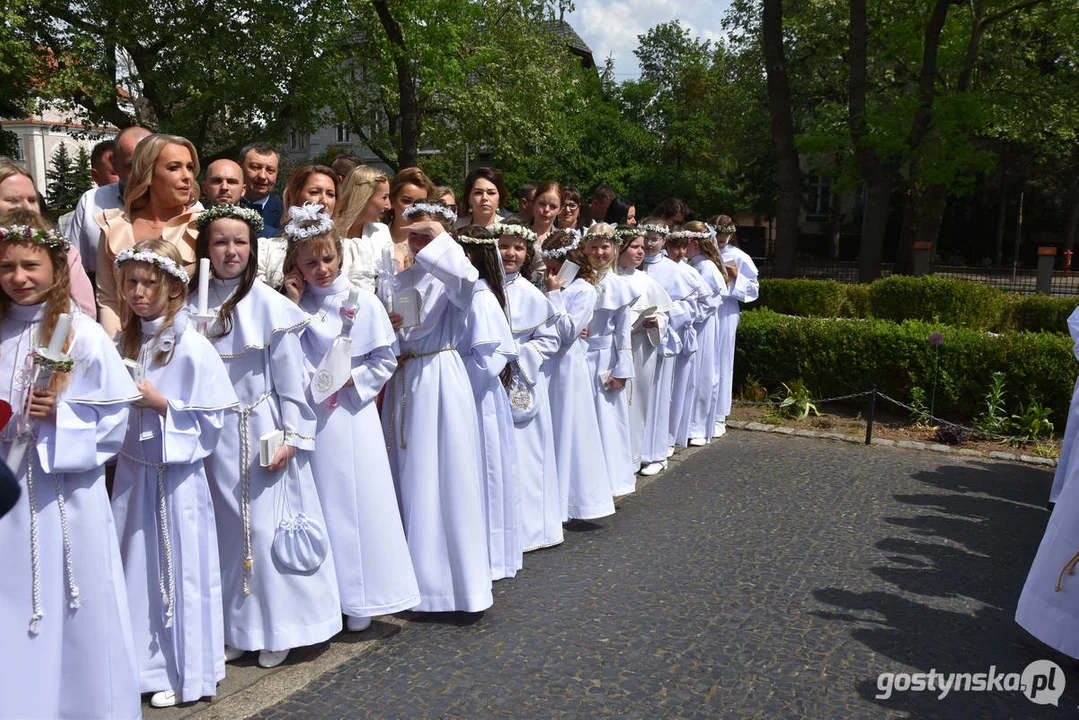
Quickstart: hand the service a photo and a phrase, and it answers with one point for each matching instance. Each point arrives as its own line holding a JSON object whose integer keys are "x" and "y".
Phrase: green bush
{"x": 858, "y": 304}
{"x": 841, "y": 356}
{"x": 959, "y": 303}
{"x": 1037, "y": 313}
{"x": 808, "y": 298}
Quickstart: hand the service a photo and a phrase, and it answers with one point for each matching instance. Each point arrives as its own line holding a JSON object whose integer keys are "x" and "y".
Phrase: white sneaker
{"x": 697, "y": 442}
{"x": 163, "y": 699}
{"x": 720, "y": 429}
{"x": 653, "y": 469}
{"x": 357, "y": 624}
{"x": 232, "y": 653}
{"x": 670, "y": 450}
{"x": 271, "y": 658}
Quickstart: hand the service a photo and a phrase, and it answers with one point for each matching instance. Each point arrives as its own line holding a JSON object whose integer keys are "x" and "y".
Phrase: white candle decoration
{"x": 204, "y": 286}
{"x": 353, "y": 298}
{"x": 59, "y": 334}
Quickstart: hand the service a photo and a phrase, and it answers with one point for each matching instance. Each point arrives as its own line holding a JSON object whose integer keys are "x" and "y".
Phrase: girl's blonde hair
{"x": 608, "y": 232}
{"x": 137, "y": 194}
{"x": 708, "y": 248}
{"x": 358, "y": 189}
{"x": 316, "y": 244}
{"x": 131, "y": 336}
{"x": 9, "y": 168}
{"x": 58, "y": 299}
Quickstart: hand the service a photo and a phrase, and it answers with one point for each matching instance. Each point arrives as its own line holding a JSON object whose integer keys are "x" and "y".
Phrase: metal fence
{"x": 1021, "y": 280}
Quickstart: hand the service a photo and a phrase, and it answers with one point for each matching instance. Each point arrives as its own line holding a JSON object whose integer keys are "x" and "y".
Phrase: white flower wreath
{"x": 477, "y": 241}
{"x": 160, "y": 262}
{"x": 307, "y": 221}
{"x": 654, "y": 229}
{"x": 520, "y": 231}
{"x": 420, "y": 207}
{"x": 562, "y": 252}
{"x": 228, "y": 210}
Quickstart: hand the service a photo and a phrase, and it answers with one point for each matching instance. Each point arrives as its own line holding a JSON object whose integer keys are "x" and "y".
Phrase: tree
{"x": 65, "y": 184}
{"x": 788, "y": 209}
{"x": 456, "y": 76}
{"x": 215, "y": 72}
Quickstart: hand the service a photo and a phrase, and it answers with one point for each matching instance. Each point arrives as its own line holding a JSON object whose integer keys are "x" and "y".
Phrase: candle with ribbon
{"x": 203, "y": 318}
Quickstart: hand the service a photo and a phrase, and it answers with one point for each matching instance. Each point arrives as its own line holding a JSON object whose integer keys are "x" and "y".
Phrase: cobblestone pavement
{"x": 766, "y": 577}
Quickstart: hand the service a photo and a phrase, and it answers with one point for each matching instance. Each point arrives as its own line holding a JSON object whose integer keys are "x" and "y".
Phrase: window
{"x": 19, "y": 155}
{"x": 343, "y": 134}
{"x": 297, "y": 140}
{"x": 818, "y": 200}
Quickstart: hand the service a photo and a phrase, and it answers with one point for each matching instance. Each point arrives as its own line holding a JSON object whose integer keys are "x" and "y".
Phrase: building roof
{"x": 574, "y": 42}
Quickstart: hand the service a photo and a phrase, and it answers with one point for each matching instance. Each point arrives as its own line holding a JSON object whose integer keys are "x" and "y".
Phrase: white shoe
{"x": 163, "y": 699}
{"x": 357, "y": 624}
{"x": 653, "y": 469}
{"x": 670, "y": 450}
{"x": 232, "y": 653}
{"x": 697, "y": 442}
{"x": 271, "y": 658}
{"x": 720, "y": 429}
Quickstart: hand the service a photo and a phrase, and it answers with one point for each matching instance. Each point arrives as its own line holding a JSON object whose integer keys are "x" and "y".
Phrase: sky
{"x": 611, "y": 27}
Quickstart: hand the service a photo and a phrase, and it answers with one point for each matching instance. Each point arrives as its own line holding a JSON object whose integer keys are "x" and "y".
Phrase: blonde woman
{"x": 160, "y": 201}
{"x": 365, "y": 196}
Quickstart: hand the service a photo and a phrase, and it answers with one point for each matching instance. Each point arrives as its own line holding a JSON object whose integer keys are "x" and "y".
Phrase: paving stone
{"x": 764, "y": 577}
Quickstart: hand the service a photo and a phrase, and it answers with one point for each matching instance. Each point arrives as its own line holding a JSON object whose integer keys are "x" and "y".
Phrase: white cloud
{"x": 611, "y": 28}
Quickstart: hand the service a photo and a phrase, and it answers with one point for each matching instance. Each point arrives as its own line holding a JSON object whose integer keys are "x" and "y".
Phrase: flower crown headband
{"x": 228, "y": 210}
{"x": 46, "y": 238}
{"x": 654, "y": 229}
{"x": 562, "y": 252}
{"x": 520, "y": 231}
{"x": 416, "y": 208}
{"x": 688, "y": 235}
{"x": 477, "y": 241}
{"x": 726, "y": 229}
{"x": 630, "y": 232}
{"x": 160, "y": 262}
{"x": 307, "y": 221}
{"x": 600, "y": 236}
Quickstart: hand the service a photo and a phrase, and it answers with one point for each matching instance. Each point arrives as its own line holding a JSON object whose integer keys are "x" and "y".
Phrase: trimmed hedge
{"x": 840, "y": 356}
{"x": 957, "y": 303}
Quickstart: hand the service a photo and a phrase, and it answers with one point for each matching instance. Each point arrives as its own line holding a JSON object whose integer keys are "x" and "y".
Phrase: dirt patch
{"x": 886, "y": 424}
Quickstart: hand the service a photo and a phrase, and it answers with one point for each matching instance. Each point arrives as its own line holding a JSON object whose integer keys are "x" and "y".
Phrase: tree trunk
{"x": 1073, "y": 219}
{"x": 835, "y": 222}
{"x": 1002, "y": 213}
{"x": 408, "y": 151}
{"x": 788, "y": 176}
{"x": 878, "y": 207}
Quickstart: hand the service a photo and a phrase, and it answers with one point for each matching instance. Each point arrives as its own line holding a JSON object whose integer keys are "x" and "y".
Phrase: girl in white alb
{"x": 65, "y": 629}
{"x": 348, "y": 367}
{"x": 277, "y": 572}
{"x": 161, "y": 500}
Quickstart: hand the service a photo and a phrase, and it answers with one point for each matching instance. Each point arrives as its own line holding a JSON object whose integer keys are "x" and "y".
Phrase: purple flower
{"x": 936, "y": 339}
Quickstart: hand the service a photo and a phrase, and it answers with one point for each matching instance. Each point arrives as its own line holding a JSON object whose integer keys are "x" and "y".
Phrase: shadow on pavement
{"x": 957, "y": 562}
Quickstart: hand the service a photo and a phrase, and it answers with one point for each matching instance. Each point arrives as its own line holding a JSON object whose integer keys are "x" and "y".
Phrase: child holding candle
{"x": 161, "y": 500}
{"x": 64, "y": 622}
{"x": 349, "y": 346}
{"x": 274, "y": 600}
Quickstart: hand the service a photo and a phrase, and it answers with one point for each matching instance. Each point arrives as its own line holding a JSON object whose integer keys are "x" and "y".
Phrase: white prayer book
{"x": 568, "y": 272}
{"x": 269, "y": 444}
{"x": 406, "y": 303}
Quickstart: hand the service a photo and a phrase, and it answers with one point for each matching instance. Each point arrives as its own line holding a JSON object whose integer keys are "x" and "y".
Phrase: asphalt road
{"x": 766, "y": 576}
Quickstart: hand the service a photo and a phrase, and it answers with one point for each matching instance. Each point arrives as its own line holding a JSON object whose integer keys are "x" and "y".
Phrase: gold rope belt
{"x": 402, "y": 362}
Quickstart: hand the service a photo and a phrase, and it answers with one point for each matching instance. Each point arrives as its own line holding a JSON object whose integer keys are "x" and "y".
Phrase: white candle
{"x": 59, "y": 334}
{"x": 353, "y": 298}
{"x": 204, "y": 286}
